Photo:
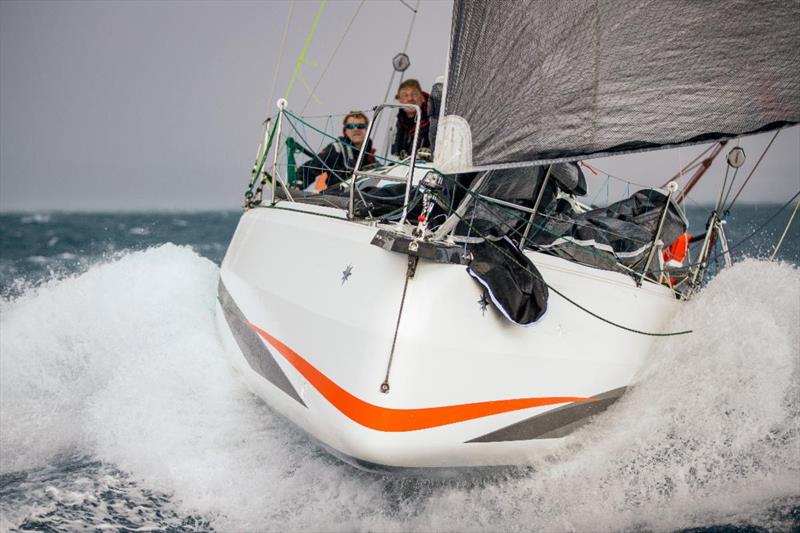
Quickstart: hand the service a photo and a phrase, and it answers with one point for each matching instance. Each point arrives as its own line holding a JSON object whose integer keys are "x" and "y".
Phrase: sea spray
{"x": 62, "y": 342}
{"x": 708, "y": 435}
{"x": 124, "y": 364}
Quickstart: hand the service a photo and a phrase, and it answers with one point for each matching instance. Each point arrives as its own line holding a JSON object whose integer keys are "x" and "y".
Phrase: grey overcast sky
{"x": 158, "y": 105}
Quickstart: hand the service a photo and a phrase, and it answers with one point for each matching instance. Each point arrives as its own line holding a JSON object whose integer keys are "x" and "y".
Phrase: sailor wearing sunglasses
{"x": 335, "y": 162}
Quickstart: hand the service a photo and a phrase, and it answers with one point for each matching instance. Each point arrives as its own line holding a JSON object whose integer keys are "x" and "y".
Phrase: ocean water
{"x": 119, "y": 409}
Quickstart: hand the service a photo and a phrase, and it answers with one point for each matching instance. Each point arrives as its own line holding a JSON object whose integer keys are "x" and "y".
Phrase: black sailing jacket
{"x": 337, "y": 159}
{"x": 404, "y": 131}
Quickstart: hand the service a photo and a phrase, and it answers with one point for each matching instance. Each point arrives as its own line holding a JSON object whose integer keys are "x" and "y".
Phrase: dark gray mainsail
{"x": 530, "y": 82}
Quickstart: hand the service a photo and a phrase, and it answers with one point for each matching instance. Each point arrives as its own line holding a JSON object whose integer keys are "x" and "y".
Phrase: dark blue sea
{"x": 120, "y": 411}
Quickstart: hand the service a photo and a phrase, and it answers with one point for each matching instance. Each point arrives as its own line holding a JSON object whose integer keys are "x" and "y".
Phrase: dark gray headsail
{"x": 530, "y": 82}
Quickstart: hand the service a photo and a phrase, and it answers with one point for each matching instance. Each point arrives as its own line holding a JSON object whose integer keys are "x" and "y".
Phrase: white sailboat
{"x": 362, "y": 326}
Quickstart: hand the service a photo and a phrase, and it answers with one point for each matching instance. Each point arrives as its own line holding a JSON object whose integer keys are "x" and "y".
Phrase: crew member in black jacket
{"x": 336, "y": 161}
{"x": 410, "y": 92}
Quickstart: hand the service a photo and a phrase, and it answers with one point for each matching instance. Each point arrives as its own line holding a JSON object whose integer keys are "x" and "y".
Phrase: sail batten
{"x": 533, "y": 82}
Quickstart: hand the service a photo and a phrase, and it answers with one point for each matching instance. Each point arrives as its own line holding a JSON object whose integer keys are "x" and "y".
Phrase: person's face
{"x": 356, "y": 130}
{"x": 409, "y": 95}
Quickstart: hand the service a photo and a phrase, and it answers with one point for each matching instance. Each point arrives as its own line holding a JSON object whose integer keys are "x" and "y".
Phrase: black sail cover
{"x": 514, "y": 284}
{"x": 530, "y": 82}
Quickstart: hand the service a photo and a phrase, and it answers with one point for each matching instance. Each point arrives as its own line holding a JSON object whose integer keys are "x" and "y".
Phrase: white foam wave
{"x": 124, "y": 361}
{"x": 38, "y": 218}
{"x": 63, "y": 341}
{"x": 710, "y": 434}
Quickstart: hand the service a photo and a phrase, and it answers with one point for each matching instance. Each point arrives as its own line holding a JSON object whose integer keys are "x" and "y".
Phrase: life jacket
{"x": 676, "y": 253}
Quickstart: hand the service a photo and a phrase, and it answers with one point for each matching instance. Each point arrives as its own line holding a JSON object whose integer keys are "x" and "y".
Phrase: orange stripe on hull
{"x": 387, "y": 419}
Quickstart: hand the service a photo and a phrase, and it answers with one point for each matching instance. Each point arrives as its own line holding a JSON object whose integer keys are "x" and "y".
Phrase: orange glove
{"x": 321, "y": 183}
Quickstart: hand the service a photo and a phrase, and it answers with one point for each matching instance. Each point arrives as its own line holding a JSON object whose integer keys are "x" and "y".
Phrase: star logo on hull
{"x": 346, "y": 273}
{"x": 484, "y": 303}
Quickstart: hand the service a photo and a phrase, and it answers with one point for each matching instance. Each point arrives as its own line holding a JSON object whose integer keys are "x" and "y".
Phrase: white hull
{"x": 330, "y": 335}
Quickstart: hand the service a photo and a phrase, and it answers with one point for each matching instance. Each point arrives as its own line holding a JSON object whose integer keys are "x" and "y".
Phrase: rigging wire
{"x": 730, "y": 206}
{"x": 573, "y": 302}
{"x": 689, "y": 166}
{"x": 394, "y": 71}
{"x": 409, "y": 7}
{"x": 744, "y": 240}
{"x": 785, "y": 231}
{"x": 328, "y": 135}
{"x": 512, "y": 213}
{"x": 618, "y": 178}
{"x": 761, "y": 227}
{"x": 497, "y": 208}
{"x": 733, "y": 180}
{"x": 326, "y": 116}
{"x": 327, "y": 168}
{"x": 567, "y": 298}
{"x": 333, "y": 54}
{"x": 280, "y": 57}
{"x": 722, "y": 189}
{"x": 411, "y": 26}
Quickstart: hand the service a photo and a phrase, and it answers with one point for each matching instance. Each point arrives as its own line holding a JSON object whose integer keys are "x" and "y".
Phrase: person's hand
{"x": 321, "y": 183}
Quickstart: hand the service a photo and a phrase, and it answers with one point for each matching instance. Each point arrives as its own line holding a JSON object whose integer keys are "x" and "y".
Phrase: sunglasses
{"x": 356, "y": 126}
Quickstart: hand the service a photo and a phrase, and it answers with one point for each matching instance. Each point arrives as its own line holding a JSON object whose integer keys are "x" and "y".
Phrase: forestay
{"x": 532, "y": 82}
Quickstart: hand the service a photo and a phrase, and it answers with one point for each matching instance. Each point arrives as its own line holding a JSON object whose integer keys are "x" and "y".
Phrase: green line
{"x": 329, "y": 136}
{"x": 302, "y": 58}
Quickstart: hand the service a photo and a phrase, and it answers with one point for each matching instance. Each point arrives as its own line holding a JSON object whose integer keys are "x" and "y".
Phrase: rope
{"x": 498, "y": 209}
{"x": 300, "y": 60}
{"x": 342, "y": 179}
{"x": 521, "y": 218}
{"x": 494, "y": 209}
{"x": 556, "y": 291}
{"x": 682, "y": 172}
{"x": 280, "y": 55}
{"x": 328, "y": 116}
{"x": 570, "y": 300}
{"x": 623, "y": 180}
{"x": 333, "y": 54}
{"x": 260, "y": 165}
{"x": 324, "y": 166}
{"x": 329, "y": 136}
{"x": 691, "y": 164}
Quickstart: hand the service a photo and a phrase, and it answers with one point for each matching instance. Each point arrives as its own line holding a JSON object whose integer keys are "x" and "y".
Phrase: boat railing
{"x": 357, "y": 172}
{"x": 648, "y": 272}
{"x": 671, "y": 188}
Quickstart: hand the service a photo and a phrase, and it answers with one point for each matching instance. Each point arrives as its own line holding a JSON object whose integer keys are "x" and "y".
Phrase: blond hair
{"x": 355, "y": 114}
